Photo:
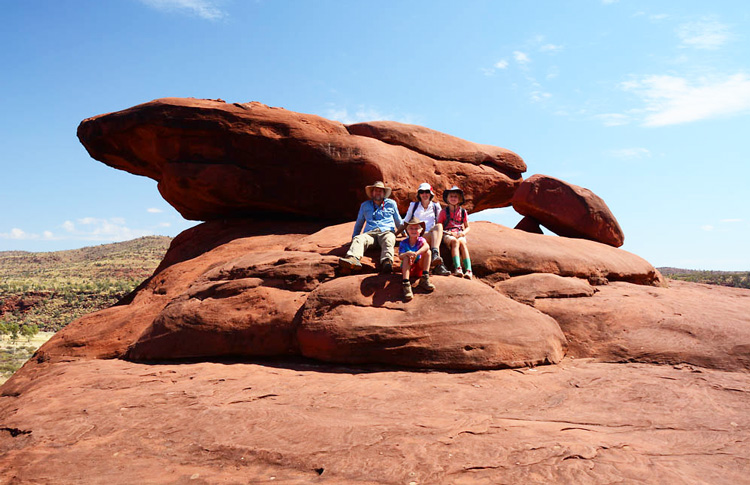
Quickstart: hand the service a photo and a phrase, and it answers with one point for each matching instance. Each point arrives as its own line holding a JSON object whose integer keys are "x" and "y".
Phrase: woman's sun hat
{"x": 452, "y": 190}
{"x": 378, "y": 185}
{"x": 425, "y": 187}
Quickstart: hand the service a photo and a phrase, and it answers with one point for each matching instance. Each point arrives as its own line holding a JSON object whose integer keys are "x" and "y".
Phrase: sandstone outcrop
{"x": 567, "y": 210}
{"x": 291, "y": 372}
{"x": 215, "y": 160}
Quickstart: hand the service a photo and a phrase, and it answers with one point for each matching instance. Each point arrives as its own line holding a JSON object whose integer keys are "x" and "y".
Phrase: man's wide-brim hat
{"x": 378, "y": 185}
{"x": 414, "y": 221}
{"x": 425, "y": 187}
{"x": 456, "y": 190}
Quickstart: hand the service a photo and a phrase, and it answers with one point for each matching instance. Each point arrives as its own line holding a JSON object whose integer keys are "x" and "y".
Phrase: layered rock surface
{"x": 215, "y": 160}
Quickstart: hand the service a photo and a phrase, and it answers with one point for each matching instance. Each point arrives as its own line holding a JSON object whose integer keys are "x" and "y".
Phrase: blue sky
{"x": 645, "y": 103}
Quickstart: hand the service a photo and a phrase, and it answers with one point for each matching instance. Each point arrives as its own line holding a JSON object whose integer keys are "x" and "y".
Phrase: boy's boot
{"x": 424, "y": 283}
{"x": 436, "y": 259}
{"x": 408, "y": 295}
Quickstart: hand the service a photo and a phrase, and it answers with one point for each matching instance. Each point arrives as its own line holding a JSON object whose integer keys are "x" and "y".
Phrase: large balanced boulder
{"x": 567, "y": 210}
{"x": 215, "y": 160}
{"x": 461, "y": 325}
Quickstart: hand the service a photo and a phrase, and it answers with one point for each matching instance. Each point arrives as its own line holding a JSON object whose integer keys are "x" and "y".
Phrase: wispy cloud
{"x": 551, "y": 48}
{"x": 521, "y": 57}
{"x": 630, "y": 153}
{"x": 363, "y": 113}
{"x": 613, "y": 119}
{"x": 19, "y": 234}
{"x": 97, "y": 229}
{"x": 154, "y": 210}
{"x": 731, "y": 220}
{"x": 501, "y": 64}
{"x": 707, "y": 228}
{"x": 704, "y": 34}
{"x": 671, "y": 100}
{"x": 206, "y": 9}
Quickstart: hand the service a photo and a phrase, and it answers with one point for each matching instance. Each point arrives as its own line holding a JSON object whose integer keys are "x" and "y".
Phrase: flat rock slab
{"x": 701, "y": 325}
{"x": 117, "y": 422}
{"x": 461, "y": 325}
{"x": 215, "y": 160}
{"x": 567, "y": 210}
{"x": 527, "y": 288}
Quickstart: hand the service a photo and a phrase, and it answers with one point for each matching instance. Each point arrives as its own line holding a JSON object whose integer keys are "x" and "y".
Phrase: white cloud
{"x": 206, "y": 9}
{"x": 48, "y": 235}
{"x": 731, "y": 220}
{"x": 608, "y": 2}
{"x": 539, "y": 96}
{"x": 96, "y": 229}
{"x": 501, "y": 64}
{"x": 708, "y": 227}
{"x": 551, "y": 48}
{"x": 630, "y": 153}
{"x": 154, "y": 210}
{"x": 17, "y": 233}
{"x": 521, "y": 57}
{"x": 363, "y": 113}
{"x": 704, "y": 34}
{"x": 673, "y": 100}
{"x": 613, "y": 119}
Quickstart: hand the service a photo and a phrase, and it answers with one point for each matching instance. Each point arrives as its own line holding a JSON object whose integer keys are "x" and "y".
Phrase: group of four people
{"x": 426, "y": 225}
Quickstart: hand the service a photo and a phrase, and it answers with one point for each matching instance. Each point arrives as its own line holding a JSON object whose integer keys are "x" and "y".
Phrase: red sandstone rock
{"x": 215, "y": 160}
{"x": 701, "y": 325}
{"x": 461, "y": 325}
{"x": 116, "y": 422}
{"x": 529, "y": 224}
{"x": 528, "y": 288}
{"x": 567, "y": 210}
{"x": 438, "y": 145}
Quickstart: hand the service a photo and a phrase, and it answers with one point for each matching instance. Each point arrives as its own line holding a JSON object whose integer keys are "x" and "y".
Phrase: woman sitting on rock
{"x": 415, "y": 258}
{"x": 427, "y": 210}
{"x": 455, "y": 222}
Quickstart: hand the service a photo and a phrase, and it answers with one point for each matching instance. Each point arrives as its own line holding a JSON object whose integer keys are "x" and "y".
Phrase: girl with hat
{"x": 427, "y": 210}
{"x": 415, "y": 258}
{"x": 455, "y": 222}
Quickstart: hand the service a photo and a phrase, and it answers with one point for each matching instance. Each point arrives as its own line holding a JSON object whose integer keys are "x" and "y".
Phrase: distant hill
{"x": 51, "y": 289}
{"x": 736, "y": 279}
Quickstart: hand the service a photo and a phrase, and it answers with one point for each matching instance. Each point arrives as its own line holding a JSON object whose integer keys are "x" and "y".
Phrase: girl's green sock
{"x": 467, "y": 264}
{"x": 456, "y": 262}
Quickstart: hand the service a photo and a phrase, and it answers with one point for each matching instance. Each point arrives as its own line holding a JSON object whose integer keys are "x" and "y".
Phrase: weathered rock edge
{"x": 215, "y": 160}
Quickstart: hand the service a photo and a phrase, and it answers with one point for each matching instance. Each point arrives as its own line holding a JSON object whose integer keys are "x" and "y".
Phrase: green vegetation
{"x": 735, "y": 279}
{"x": 46, "y": 291}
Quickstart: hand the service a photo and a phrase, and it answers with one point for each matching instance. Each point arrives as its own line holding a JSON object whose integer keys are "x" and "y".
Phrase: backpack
{"x": 460, "y": 221}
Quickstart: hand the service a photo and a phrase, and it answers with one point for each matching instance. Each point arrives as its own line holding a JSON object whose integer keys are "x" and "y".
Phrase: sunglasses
{"x": 423, "y": 192}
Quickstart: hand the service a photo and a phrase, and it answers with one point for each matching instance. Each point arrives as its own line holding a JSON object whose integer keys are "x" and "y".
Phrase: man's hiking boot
{"x": 424, "y": 283}
{"x": 440, "y": 270}
{"x": 386, "y": 267}
{"x": 350, "y": 263}
{"x": 408, "y": 295}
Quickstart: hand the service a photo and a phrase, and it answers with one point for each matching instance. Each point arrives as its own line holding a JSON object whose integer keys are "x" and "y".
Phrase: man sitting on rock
{"x": 380, "y": 218}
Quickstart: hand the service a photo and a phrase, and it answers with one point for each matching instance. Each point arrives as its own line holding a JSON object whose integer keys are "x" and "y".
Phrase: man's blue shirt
{"x": 384, "y": 217}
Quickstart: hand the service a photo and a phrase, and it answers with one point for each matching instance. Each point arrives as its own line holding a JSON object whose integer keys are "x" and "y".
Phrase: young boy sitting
{"x": 415, "y": 258}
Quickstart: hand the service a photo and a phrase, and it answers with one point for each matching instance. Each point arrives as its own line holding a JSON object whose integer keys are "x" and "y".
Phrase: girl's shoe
{"x": 458, "y": 272}
{"x": 408, "y": 294}
{"x": 469, "y": 275}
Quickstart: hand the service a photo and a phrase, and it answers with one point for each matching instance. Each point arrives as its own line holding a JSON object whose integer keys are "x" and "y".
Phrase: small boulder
{"x": 567, "y": 210}
{"x": 461, "y": 325}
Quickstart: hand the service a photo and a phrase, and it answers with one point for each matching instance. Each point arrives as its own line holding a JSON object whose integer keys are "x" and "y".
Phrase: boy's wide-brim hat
{"x": 425, "y": 187}
{"x": 378, "y": 185}
{"x": 452, "y": 190}
{"x": 414, "y": 221}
